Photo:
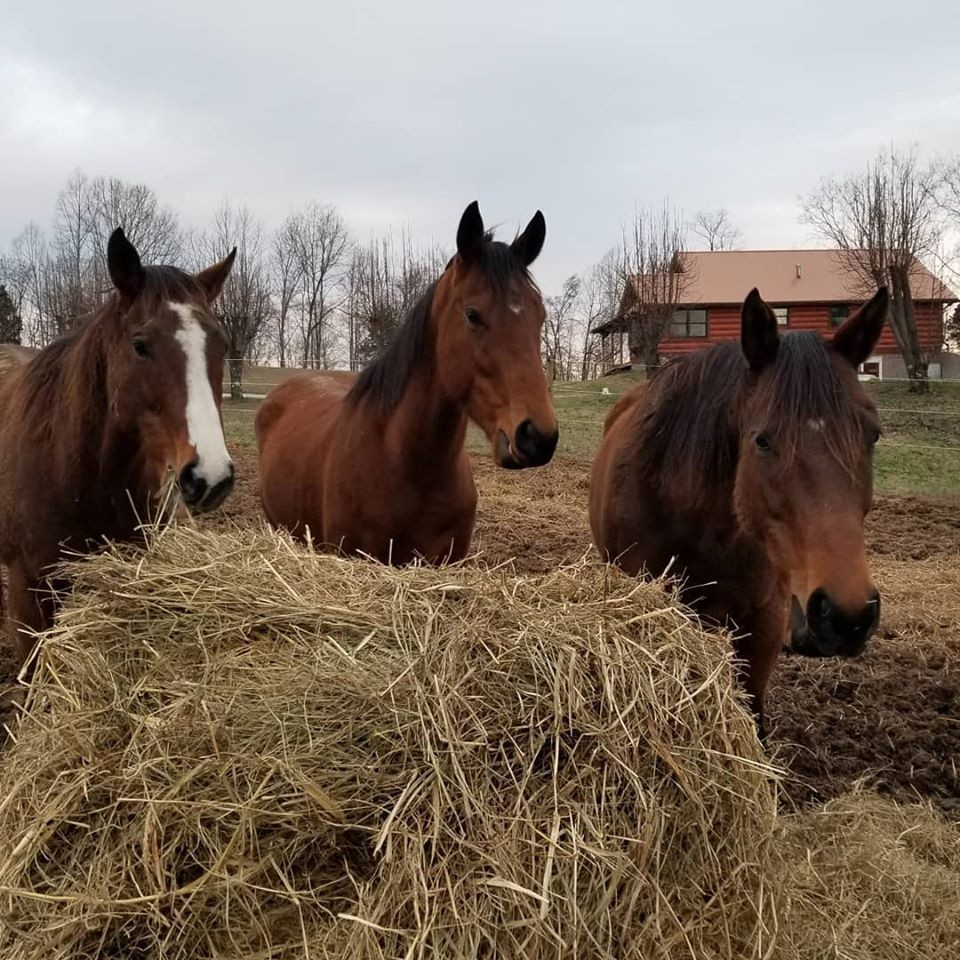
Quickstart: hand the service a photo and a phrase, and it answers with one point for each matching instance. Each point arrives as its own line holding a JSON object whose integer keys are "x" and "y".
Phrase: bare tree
{"x": 286, "y": 268}
{"x": 385, "y": 281}
{"x": 64, "y": 276}
{"x": 11, "y": 323}
{"x": 884, "y": 221}
{"x": 30, "y": 254}
{"x": 14, "y": 278}
{"x": 716, "y": 230}
{"x": 319, "y": 237}
{"x": 153, "y": 229}
{"x": 244, "y": 305}
{"x": 70, "y": 291}
{"x": 657, "y": 271}
{"x": 558, "y": 331}
{"x": 600, "y": 295}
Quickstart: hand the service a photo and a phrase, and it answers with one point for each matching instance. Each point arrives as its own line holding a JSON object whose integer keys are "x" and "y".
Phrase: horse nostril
{"x": 826, "y": 607}
{"x": 535, "y": 447}
{"x": 192, "y": 486}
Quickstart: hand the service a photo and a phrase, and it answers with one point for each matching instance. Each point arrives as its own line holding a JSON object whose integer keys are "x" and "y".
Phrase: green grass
{"x": 920, "y": 448}
{"x": 919, "y": 452}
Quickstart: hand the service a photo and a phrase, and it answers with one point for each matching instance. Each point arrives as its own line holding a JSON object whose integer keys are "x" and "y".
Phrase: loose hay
{"x": 235, "y": 748}
{"x": 867, "y": 879}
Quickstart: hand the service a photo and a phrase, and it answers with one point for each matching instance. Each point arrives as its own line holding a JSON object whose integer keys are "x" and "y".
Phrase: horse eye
{"x": 473, "y": 317}
{"x": 763, "y": 443}
{"x": 874, "y": 437}
{"x": 141, "y": 346}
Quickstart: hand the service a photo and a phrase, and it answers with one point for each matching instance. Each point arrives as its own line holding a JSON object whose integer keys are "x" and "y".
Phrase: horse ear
{"x": 470, "y": 233}
{"x": 123, "y": 263}
{"x": 213, "y": 278}
{"x": 528, "y": 245}
{"x": 858, "y": 336}
{"x": 759, "y": 338}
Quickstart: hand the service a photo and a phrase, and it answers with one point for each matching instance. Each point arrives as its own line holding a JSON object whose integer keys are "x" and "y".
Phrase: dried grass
{"x": 921, "y": 602}
{"x": 867, "y": 879}
{"x": 235, "y": 748}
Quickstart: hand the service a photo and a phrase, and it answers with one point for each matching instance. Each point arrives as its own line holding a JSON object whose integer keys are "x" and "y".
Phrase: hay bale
{"x": 236, "y": 748}
{"x": 868, "y": 879}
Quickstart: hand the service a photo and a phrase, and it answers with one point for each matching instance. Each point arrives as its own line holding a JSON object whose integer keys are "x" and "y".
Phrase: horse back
{"x": 13, "y": 359}
{"x": 12, "y": 355}
{"x": 632, "y": 398}
{"x": 609, "y": 501}
{"x": 294, "y": 427}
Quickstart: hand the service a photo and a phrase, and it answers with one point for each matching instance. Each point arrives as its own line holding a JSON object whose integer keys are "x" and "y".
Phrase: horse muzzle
{"x": 829, "y": 631}
{"x": 199, "y": 495}
{"x": 529, "y": 447}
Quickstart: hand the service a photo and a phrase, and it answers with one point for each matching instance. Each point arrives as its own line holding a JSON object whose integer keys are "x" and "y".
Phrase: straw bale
{"x": 237, "y": 748}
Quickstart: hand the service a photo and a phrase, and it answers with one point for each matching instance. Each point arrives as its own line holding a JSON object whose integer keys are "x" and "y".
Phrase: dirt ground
{"x": 891, "y": 717}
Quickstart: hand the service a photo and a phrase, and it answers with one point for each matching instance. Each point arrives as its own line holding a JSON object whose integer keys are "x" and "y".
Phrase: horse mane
{"x": 383, "y": 382}
{"x": 72, "y": 368}
{"x": 691, "y": 422}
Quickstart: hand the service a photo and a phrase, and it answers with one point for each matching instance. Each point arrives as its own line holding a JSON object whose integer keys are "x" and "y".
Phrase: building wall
{"x": 723, "y": 323}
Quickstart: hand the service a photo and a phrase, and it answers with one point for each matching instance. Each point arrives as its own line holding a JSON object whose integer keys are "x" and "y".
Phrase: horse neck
{"x": 427, "y": 428}
{"x": 90, "y": 442}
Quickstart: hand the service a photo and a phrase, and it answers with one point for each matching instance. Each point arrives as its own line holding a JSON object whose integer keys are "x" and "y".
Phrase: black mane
{"x": 691, "y": 425}
{"x": 383, "y": 381}
{"x": 53, "y": 369}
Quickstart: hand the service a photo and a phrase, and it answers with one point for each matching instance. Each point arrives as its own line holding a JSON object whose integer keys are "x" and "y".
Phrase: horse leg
{"x": 27, "y": 612}
{"x": 758, "y": 649}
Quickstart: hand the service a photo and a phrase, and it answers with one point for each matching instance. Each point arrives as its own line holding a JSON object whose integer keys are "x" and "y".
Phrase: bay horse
{"x": 749, "y": 466}
{"x": 91, "y": 426}
{"x": 376, "y": 463}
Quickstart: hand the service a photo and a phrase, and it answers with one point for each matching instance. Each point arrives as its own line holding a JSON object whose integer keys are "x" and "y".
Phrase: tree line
{"x": 306, "y": 295}
{"x": 311, "y": 295}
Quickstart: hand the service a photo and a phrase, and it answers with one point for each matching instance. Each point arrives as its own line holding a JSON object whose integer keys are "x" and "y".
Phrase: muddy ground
{"x": 891, "y": 717}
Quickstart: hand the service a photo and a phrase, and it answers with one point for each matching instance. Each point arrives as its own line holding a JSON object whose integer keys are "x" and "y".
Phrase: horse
{"x": 91, "y": 426}
{"x": 375, "y": 464}
{"x": 746, "y": 468}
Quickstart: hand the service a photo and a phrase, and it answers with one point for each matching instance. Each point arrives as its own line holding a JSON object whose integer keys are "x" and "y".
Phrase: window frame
{"x": 838, "y": 320}
{"x": 686, "y": 334}
{"x": 785, "y": 322}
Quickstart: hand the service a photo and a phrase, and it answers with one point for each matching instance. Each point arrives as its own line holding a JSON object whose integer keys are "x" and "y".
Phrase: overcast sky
{"x": 401, "y": 113}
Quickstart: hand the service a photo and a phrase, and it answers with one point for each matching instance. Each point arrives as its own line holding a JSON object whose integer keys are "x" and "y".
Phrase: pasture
{"x": 199, "y": 762}
{"x": 891, "y": 716}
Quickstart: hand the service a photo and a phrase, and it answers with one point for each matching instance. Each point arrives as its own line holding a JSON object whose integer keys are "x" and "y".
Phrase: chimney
{"x": 798, "y": 271}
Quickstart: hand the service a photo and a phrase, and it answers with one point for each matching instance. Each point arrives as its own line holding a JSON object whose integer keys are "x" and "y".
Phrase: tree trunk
{"x": 236, "y": 378}
{"x": 644, "y": 343}
{"x": 651, "y": 358}
{"x": 904, "y": 322}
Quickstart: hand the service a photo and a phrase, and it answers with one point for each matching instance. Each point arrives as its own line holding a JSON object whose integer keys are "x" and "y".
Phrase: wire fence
{"x": 257, "y": 386}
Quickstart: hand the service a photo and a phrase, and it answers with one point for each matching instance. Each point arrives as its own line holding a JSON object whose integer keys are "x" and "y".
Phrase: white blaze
{"x": 203, "y": 419}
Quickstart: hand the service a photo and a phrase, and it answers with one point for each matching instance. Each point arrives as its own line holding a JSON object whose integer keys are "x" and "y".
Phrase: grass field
{"x": 919, "y": 452}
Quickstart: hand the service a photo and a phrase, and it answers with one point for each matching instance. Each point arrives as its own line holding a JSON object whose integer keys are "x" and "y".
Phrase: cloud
{"x": 401, "y": 114}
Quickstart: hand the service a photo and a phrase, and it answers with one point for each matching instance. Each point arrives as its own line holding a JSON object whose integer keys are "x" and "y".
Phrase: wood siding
{"x": 723, "y": 323}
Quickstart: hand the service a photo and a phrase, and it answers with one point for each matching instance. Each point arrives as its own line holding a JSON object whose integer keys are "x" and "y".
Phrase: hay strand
{"x": 234, "y": 747}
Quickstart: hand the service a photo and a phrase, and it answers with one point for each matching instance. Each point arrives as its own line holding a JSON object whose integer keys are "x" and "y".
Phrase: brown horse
{"x": 376, "y": 464}
{"x": 750, "y": 466}
{"x": 91, "y": 425}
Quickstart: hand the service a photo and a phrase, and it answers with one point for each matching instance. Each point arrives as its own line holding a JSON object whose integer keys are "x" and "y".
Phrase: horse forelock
{"x": 806, "y": 390}
{"x": 383, "y": 382}
{"x": 691, "y": 425}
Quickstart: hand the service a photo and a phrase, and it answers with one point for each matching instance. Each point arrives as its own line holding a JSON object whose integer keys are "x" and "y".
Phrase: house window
{"x": 783, "y": 315}
{"x": 688, "y": 323}
{"x": 871, "y": 369}
{"x": 838, "y": 314}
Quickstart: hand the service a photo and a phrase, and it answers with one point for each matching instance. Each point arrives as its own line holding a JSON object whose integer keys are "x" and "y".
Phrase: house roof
{"x": 786, "y": 277}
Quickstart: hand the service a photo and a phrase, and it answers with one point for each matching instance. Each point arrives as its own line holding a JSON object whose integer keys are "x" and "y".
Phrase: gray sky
{"x": 402, "y": 113}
